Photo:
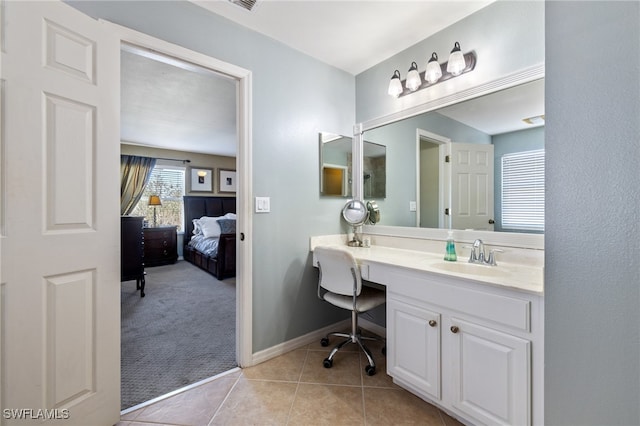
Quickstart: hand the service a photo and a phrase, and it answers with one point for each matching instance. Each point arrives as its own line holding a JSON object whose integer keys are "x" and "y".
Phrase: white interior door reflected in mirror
{"x": 472, "y": 186}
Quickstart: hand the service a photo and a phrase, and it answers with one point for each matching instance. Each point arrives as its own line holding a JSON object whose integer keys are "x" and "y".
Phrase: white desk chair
{"x": 340, "y": 284}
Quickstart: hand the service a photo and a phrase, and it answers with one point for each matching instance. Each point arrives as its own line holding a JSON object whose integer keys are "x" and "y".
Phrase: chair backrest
{"x": 339, "y": 272}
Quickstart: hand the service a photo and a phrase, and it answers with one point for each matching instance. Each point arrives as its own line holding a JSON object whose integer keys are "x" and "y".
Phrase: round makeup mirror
{"x": 355, "y": 213}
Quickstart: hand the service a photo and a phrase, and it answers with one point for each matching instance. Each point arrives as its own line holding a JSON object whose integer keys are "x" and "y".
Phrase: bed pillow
{"x": 210, "y": 227}
{"x": 230, "y": 216}
{"x": 227, "y": 226}
{"x": 197, "y": 229}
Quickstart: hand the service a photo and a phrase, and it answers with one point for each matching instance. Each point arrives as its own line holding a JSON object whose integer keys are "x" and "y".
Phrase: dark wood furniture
{"x": 132, "y": 251}
{"x": 223, "y": 265}
{"x": 160, "y": 245}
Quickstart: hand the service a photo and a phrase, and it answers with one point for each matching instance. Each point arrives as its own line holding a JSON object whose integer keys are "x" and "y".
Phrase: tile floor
{"x": 295, "y": 389}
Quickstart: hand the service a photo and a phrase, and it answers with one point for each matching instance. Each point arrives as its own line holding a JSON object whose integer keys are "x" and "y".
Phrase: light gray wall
{"x": 507, "y": 143}
{"x": 288, "y": 112}
{"x": 592, "y": 241}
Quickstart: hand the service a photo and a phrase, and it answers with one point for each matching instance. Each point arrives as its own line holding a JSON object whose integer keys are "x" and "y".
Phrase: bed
{"x": 212, "y": 246}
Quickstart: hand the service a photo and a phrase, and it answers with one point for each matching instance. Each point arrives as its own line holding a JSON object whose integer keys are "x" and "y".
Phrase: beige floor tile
{"x": 381, "y": 379}
{"x": 193, "y": 407}
{"x": 390, "y": 406}
{"x": 346, "y": 369}
{"x": 286, "y": 367}
{"x": 327, "y": 405}
{"x": 449, "y": 421}
{"x": 257, "y": 402}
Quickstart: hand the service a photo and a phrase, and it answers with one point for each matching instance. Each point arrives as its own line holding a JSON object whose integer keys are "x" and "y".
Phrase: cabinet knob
{"x": 433, "y": 323}
{"x": 454, "y": 329}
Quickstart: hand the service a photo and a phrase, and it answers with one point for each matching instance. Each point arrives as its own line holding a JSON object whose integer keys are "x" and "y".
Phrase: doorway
{"x": 432, "y": 179}
{"x": 242, "y": 79}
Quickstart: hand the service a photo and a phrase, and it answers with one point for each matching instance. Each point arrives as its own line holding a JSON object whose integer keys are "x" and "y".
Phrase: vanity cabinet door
{"x": 413, "y": 346}
{"x": 491, "y": 373}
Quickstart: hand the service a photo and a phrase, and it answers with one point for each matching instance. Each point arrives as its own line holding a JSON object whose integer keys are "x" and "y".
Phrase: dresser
{"x": 132, "y": 251}
{"x": 160, "y": 245}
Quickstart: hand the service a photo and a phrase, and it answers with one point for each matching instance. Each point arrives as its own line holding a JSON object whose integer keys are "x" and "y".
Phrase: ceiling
{"x": 172, "y": 105}
{"x": 352, "y": 35}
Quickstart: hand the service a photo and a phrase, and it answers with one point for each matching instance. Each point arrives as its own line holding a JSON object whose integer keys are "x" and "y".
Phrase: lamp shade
{"x": 433, "y": 72}
{"x": 395, "y": 85}
{"x": 456, "y": 63}
{"x": 413, "y": 78}
{"x": 154, "y": 200}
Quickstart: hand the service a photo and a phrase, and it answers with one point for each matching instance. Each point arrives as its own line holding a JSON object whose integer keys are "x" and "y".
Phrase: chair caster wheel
{"x": 328, "y": 363}
{"x": 324, "y": 342}
{"x": 370, "y": 370}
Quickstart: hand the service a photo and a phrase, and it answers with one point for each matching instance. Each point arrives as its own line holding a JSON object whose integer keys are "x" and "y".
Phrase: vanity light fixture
{"x": 435, "y": 72}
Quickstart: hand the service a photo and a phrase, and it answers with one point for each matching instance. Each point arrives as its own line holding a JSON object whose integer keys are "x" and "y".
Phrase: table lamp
{"x": 154, "y": 201}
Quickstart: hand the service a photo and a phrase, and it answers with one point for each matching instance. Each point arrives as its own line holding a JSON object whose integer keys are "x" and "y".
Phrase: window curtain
{"x": 134, "y": 175}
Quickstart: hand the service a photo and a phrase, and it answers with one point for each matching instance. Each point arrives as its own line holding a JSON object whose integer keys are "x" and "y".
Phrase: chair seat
{"x": 368, "y": 299}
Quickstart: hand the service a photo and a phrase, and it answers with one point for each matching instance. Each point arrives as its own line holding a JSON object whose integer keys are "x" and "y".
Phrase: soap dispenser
{"x": 450, "y": 254}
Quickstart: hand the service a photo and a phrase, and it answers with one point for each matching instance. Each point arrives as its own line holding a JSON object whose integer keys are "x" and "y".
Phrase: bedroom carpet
{"x": 181, "y": 332}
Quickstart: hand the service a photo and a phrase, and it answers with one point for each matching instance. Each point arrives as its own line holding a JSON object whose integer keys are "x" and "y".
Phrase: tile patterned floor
{"x": 295, "y": 389}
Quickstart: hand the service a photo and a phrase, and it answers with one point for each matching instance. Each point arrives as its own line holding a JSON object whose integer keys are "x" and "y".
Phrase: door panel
{"x": 472, "y": 186}
{"x": 60, "y": 248}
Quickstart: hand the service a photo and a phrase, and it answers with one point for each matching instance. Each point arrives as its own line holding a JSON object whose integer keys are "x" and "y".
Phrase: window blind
{"x": 167, "y": 182}
{"x": 523, "y": 191}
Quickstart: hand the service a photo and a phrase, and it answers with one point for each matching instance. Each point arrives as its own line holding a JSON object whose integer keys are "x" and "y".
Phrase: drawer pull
{"x": 454, "y": 329}
{"x": 165, "y": 243}
{"x": 433, "y": 323}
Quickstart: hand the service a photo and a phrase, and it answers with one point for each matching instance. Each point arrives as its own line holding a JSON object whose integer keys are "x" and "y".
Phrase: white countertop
{"x": 514, "y": 276}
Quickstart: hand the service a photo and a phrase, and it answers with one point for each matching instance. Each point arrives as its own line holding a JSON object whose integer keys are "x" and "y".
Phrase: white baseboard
{"x": 314, "y": 336}
{"x": 297, "y": 343}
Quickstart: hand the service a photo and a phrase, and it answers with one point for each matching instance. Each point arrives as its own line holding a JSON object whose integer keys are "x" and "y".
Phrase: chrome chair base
{"x": 356, "y": 338}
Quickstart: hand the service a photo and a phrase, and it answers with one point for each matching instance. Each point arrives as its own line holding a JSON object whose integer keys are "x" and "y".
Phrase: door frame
{"x": 244, "y": 194}
{"x": 444, "y": 174}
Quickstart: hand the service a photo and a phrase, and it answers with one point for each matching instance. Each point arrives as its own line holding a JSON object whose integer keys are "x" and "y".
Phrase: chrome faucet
{"x": 478, "y": 255}
{"x": 477, "y": 252}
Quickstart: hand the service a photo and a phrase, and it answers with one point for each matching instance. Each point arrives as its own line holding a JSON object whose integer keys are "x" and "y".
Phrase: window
{"x": 168, "y": 183}
{"x": 523, "y": 191}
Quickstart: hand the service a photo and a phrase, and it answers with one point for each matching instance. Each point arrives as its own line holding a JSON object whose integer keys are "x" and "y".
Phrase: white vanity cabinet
{"x": 413, "y": 346}
{"x": 464, "y": 345}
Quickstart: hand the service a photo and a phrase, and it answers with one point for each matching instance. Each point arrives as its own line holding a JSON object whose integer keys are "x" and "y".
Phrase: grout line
{"x": 295, "y": 394}
{"x": 226, "y": 397}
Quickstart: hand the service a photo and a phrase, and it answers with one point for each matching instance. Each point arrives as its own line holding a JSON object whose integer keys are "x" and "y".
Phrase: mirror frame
{"x": 509, "y": 239}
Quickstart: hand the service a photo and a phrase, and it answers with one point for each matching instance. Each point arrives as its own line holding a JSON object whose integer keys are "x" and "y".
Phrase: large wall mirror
{"x": 445, "y": 168}
{"x": 336, "y": 167}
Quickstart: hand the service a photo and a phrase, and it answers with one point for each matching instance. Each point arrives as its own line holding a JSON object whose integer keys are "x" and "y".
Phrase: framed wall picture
{"x": 201, "y": 179}
{"x": 226, "y": 180}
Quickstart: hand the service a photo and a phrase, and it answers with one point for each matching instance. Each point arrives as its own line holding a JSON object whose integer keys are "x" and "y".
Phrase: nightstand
{"x": 160, "y": 245}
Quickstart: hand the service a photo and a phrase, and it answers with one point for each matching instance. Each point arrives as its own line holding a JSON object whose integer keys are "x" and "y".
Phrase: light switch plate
{"x": 263, "y": 204}
{"x": 413, "y": 206}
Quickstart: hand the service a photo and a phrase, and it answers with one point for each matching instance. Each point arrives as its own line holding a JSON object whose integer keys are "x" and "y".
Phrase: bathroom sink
{"x": 471, "y": 269}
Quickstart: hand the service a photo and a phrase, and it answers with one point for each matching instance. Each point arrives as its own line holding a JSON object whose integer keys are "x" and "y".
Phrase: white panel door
{"x": 60, "y": 245}
{"x": 413, "y": 353}
{"x": 491, "y": 378}
{"x": 472, "y": 186}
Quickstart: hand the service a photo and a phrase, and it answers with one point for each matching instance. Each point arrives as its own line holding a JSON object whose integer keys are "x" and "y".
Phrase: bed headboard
{"x": 196, "y": 207}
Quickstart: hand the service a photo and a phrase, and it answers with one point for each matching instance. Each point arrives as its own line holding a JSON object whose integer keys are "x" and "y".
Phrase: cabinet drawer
{"x": 158, "y": 244}
{"x": 442, "y": 291}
